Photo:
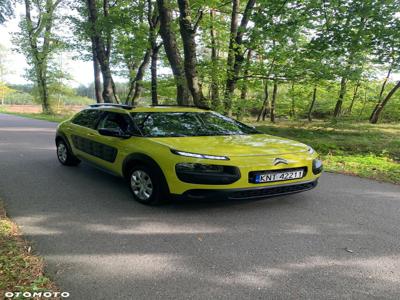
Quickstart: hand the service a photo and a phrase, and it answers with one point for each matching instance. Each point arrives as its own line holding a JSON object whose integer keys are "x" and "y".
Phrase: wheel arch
{"x": 141, "y": 158}
{"x": 62, "y": 137}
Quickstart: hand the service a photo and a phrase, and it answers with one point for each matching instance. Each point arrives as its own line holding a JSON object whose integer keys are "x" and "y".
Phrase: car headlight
{"x": 317, "y": 166}
{"x": 206, "y": 174}
{"x": 197, "y": 155}
{"x": 310, "y": 150}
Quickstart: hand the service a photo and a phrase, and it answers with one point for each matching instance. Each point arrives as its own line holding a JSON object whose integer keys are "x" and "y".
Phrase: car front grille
{"x": 272, "y": 191}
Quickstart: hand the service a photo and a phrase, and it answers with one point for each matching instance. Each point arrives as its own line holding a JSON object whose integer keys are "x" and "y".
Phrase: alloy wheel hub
{"x": 141, "y": 184}
{"x": 62, "y": 152}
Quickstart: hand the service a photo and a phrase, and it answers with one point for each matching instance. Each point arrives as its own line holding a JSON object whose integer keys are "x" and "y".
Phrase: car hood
{"x": 234, "y": 145}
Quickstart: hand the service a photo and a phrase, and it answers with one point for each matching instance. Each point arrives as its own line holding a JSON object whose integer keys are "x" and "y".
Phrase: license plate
{"x": 278, "y": 176}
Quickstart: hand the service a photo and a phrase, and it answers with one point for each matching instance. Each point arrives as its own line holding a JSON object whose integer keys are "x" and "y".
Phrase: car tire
{"x": 147, "y": 185}
{"x": 64, "y": 154}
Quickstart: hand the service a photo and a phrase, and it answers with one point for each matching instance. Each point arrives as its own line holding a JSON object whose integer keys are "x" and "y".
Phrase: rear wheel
{"x": 146, "y": 185}
{"x": 64, "y": 155}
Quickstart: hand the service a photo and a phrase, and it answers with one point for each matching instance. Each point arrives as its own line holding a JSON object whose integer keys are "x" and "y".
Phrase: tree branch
{"x": 199, "y": 18}
{"x": 39, "y": 22}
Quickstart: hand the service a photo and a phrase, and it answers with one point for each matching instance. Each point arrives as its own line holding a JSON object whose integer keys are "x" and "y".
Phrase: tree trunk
{"x": 214, "y": 59}
{"x": 188, "y": 34}
{"x": 385, "y": 82}
{"x": 314, "y": 98}
{"x": 42, "y": 67}
{"x": 140, "y": 75}
{"x": 114, "y": 88}
{"x": 350, "y": 63}
{"x": 40, "y": 53}
{"x": 154, "y": 59}
{"x": 108, "y": 91}
{"x": 380, "y": 106}
{"x": 342, "y": 93}
{"x": 266, "y": 111}
{"x": 43, "y": 91}
{"x": 102, "y": 50}
{"x": 364, "y": 102}
{"x": 171, "y": 50}
{"x": 96, "y": 76}
{"x": 135, "y": 86}
{"x": 353, "y": 100}
{"x": 382, "y": 89}
{"x": 244, "y": 89}
{"x": 230, "y": 84}
{"x": 153, "y": 20}
{"x": 235, "y": 55}
{"x": 292, "y": 107}
{"x": 131, "y": 85}
{"x": 273, "y": 102}
{"x": 265, "y": 107}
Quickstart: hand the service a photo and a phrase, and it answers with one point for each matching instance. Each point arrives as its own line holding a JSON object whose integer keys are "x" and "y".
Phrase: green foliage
{"x": 305, "y": 43}
{"x": 39, "y": 43}
{"x": 6, "y": 10}
{"x": 59, "y": 97}
{"x": 369, "y": 166}
{"x": 5, "y": 91}
{"x": 362, "y": 149}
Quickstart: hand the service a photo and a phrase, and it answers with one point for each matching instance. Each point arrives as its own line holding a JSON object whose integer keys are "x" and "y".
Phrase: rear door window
{"x": 114, "y": 121}
{"x": 87, "y": 118}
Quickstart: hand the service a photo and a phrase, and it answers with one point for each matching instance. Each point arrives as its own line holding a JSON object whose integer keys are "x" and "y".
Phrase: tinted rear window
{"x": 87, "y": 118}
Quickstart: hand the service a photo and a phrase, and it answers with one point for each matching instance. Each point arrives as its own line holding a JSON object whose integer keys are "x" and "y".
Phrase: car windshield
{"x": 173, "y": 124}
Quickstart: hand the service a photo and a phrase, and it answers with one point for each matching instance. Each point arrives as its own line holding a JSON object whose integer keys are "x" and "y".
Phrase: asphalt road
{"x": 338, "y": 241}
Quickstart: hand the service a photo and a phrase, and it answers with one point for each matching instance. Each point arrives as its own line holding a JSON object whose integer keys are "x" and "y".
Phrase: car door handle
{"x": 90, "y": 134}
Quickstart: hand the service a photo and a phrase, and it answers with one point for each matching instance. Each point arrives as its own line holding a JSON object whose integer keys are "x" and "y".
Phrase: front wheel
{"x": 65, "y": 156}
{"x": 146, "y": 186}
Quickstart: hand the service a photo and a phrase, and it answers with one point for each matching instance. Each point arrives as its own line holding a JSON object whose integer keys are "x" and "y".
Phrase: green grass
{"x": 39, "y": 116}
{"x": 19, "y": 269}
{"x": 362, "y": 149}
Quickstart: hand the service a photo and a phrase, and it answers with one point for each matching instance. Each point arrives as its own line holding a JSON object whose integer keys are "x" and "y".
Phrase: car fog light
{"x": 317, "y": 166}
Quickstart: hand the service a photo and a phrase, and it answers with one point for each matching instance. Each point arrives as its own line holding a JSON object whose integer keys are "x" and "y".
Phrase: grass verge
{"x": 39, "y": 116}
{"x": 362, "y": 149}
{"x": 20, "y": 270}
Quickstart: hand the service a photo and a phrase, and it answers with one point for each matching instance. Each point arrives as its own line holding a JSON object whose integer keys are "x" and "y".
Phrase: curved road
{"x": 338, "y": 241}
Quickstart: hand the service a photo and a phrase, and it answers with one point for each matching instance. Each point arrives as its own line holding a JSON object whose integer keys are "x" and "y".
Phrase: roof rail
{"x": 175, "y": 105}
{"x": 124, "y": 106}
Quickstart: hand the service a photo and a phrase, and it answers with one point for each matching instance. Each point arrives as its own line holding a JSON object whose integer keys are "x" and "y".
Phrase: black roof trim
{"x": 124, "y": 106}
{"x": 174, "y": 105}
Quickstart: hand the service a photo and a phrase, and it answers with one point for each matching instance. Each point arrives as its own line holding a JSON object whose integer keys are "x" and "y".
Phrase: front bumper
{"x": 250, "y": 193}
{"x": 247, "y": 165}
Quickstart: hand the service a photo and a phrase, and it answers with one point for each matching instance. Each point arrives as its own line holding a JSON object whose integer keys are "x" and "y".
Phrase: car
{"x": 185, "y": 152}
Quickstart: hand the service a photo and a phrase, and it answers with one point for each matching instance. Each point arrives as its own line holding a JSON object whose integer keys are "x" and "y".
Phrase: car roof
{"x": 156, "y": 108}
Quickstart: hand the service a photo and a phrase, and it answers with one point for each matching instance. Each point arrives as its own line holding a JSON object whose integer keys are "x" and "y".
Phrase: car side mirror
{"x": 114, "y": 133}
